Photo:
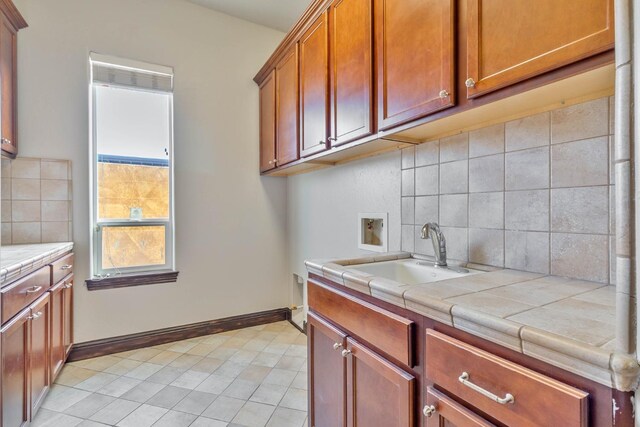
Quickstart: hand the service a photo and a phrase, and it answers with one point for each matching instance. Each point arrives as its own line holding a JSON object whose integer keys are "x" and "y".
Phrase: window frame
{"x": 98, "y": 271}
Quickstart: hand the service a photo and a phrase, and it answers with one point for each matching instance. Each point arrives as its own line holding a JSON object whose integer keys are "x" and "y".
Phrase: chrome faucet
{"x": 432, "y": 231}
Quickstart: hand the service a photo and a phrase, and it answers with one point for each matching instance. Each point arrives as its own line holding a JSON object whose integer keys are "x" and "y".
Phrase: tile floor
{"x": 250, "y": 377}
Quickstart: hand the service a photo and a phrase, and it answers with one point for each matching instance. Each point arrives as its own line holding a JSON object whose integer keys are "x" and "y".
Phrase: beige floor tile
{"x": 270, "y": 394}
{"x": 222, "y": 353}
{"x": 190, "y": 379}
{"x": 297, "y": 350}
{"x": 165, "y": 358}
{"x": 277, "y": 348}
{"x": 89, "y": 405}
{"x": 55, "y": 419}
{"x": 144, "y": 371}
{"x": 300, "y": 381}
{"x": 144, "y": 354}
{"x": 215, "y": 340}
{"x": 241, "y": 389}
{"x": 96, "y": 382}
{"x": 266, "y": 359}
{"x": 185, "y": 361}
{"x": 295, "y": 399}
{"x": 195, "y": 402}
{"x": 244, "y": 356}
{"x": 183, "y": 346}
{"x": 254, "y": 373}
{"x": 202, "y": 349}
{"x": 208, "y": 364}
{"x": 62, "y": 397}
{"x": 235, "y": 342}
{"x": 175, "y": 419}
{"x": 231, "y": 369}
{"x": 166, "y": 375}
{"x": 223, "y": 408}
{"x": 123, "y": 367}
{"x": 101, "y": 363}
{"x": 143, "y": 391}
{"x": 114, "y": 412}
{"x": 168, "y": 397}
{"x": 143, "y": 416}
{"x": 208, "y": 422}
{"x": 73, "y": 375}
{"x": 215, "y": 384}
{"x": 247, "y": 333}
{"x": 256, "y": 344}
{"x": 291, "y": 363}
{"x": 284, "y": 417}
{"x": 254, "y": 414}
{"x": 280, "y": 377}
{"x": 119, "y": 387}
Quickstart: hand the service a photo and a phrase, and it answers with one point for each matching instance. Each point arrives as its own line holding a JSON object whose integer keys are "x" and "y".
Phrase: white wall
{"x": 323, "y": 207}
{"x": 230, "y": 223}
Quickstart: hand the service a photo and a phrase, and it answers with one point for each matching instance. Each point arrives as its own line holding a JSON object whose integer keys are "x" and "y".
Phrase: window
{"x": 132, "y": 167}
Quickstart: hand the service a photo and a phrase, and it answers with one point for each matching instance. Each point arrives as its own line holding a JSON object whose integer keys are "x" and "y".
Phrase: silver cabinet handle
{"x": 332, "y": 138}
{"x": 337, "y": 345}
{"x": 34, "y": 290}
{"x": 273, "y": 162}
{"x": 470, "y": 82}
{"x": 508, "y": 398}
{"x": 443, "y": 94}
{"x": 68, "y": 286}
{"x": 66, "y": 267}
{"x": 36, "y": 315}
{"x": 429, "y": 410}
{"x": 345, "y": 352}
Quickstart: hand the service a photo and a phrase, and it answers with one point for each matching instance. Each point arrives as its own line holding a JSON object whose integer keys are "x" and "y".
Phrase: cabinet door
{"x": 378, "y": 392}
{"x": 39, "y": 361}
{"x": 511, "y": 40}
{"x": 351, "y": 65}
{"x": 268, "y": 123}
{"x": 67, "y": 335}
{"x": 441, "y": 410}
{"x": 15, "y": 370}
{"x": 415, "y": 59}
{"x": 57, "y": 328}
{"x": 327, "y": 374}
{"x": 314, "y": 87}
{"x": 8, "y": 85}
{"x": 287, "y": 149}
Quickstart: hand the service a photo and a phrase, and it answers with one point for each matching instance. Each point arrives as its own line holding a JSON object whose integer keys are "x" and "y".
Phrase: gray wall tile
{"x": 582, "y": 256}
{"x": 426, "y": 210}
{"x": 454, "y": 177}
{"x": 486, "y": 210}
{"x": 527, "y": 169}
{"x": 453, "y": 210}
{"x": 408, "y": 157}
{"x": 486, "y": 246}
{"x": 426, "y": 180}
{"x": 408, "y": 210}
{"x": 590, "y": 154}
{"x": 527, "y": 250}
{"x": 407, "y": 238}
{"x": 528, "y": 132}
{"x": 408, "y": 183}
{"x": 457, "y": 243}
{"x": 580, "y": 121}
{"x": 454, "y": 147}
{"x": 527, "y": 210}
{"x": 486, "y": 174}
{"x": 486, "y": 141}
{"x": 428, "y": 153}
{"x": 580, "y": 210}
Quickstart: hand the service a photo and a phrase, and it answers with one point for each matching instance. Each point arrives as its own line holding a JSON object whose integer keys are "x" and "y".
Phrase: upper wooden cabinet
{"x": 415, "y": 59}
{"x": 511, "y": 40}
{"x": 351, "y": 70}
{"x": 314, "y": 87}
{"x": 268, "y": 123}
{"x": 287, "y": 128}
{"x": 10, "y": 22}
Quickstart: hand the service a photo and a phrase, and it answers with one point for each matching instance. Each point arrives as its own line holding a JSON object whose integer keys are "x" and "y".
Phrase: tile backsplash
{"x": 36, "y": 201}
{"x": 533, "y": 194}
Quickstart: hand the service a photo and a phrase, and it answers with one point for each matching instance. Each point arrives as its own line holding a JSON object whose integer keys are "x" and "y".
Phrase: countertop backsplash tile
{"x": 36, "y": 201}
{"x": 531, "y": 194}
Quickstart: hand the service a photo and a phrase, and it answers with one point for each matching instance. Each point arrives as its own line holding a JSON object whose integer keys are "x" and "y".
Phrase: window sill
{"x": 140, "y": 279}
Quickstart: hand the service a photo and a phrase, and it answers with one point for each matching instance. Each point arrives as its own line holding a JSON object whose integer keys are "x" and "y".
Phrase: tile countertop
{"x": 19, "y": 260}
{"x": 565, "y": 322}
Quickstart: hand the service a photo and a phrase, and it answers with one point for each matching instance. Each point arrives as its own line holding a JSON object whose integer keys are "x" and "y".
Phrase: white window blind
{"x": 111, "y": 71}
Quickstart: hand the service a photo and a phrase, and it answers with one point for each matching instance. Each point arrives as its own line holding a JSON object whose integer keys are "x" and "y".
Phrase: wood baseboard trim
{"x": 103, "y": 347}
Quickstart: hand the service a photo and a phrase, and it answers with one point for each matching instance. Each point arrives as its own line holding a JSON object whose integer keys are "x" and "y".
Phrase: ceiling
{"x": 276, "y": 14}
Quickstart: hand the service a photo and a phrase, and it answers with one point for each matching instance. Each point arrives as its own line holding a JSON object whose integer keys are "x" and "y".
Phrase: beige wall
{"x": 230, "y": 223}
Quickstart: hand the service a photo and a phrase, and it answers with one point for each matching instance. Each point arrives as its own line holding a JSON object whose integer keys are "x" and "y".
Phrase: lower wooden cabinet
{"x": 441, "y": 410}
{"x": 351, "y": 385}
{"x": 61, "y": 323}
{"x": 39, "y": 339}
{"x": 378, "y": 392}
{"x": 15, "y": 370}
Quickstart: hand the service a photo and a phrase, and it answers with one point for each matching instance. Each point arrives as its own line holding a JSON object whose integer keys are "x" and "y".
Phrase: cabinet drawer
{"x": 390, "y": 333}
{"x": 61, "y": 268}
{"x": 527, "y": 398}
{"x": 23, "y": 292}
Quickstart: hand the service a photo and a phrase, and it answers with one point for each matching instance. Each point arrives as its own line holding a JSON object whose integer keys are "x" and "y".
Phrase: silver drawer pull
{"x": 345, "y": 352}
{"x": 337, "y": 345}
{"x": 34, "y": 290}
{"x": 68, "y": 286}
{"x": 66, "y": 267}
{"x": 36, "y": 315}
{"x": 508, "y": 398}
